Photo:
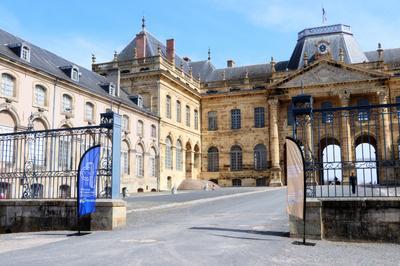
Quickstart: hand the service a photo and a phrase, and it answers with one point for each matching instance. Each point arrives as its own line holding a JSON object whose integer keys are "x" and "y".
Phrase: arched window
{"x": 125, "y": 123}
{"x": 7, "y": 146}
{"x": 213, "y": 159}
{"x": 125, "y": 158}
{"x": 236, "y": 158}
{"x": 40, "y": 95}
{"x": 89, "y": 111}
{"x": 168, "y": 106}
{"x": 363, "y": 114}
{"x": 139, "y": 161}
{"x": 64, "y": 191}
{"x": 65, "y": 152}
{"x": 153, "y": 163}
{"x": 327, "y": 117}
{"x": 37, "y": 148}
{"x": 196, "y": 119}
{"x": 168, "y": 153}
{"x": 178, "y": 111}
{"x": 140, "y": 128}
{"x": 235, "y": 119}
{"x": 153, "y": 131}
{"x": 179, "y": 156}
{"x": 66, "y": 103}
{"x": 7, "y": 85}
{"x": 260, "y": 157}
{"x": 212, "y": 121}
{"x": 187, "y": 116}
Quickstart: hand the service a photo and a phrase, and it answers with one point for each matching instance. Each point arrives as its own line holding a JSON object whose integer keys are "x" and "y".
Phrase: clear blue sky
{"x": 248, "y": 32}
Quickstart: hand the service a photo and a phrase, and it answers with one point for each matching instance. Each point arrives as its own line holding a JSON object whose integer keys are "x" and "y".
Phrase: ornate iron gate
{"x": 44, "y": 164}
{"x": 349, "y": 151}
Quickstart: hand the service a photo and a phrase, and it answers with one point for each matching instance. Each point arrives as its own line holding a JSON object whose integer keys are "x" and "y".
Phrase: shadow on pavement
{"x": 267, "y": 233}
{"x": 245, "y": 238}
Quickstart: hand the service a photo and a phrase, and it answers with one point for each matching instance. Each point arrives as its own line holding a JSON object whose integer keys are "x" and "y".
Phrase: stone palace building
{"x": 185, "y": 119}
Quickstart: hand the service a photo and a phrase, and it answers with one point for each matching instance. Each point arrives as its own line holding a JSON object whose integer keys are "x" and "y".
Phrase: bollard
{"x": 124, "y": 192}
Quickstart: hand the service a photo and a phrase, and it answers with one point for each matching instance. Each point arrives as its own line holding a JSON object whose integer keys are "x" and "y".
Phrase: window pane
{"x": 212, "y": 121}
{"x": 67, "y": 103}
{"x": 187, "y": 116}
{"x": 259, "y": 117}
{"x": 196, "y": 119}
{"x": 40, "y": 94}
{"x": 236, "y": 158}
{"x": 168, "y": 107}
{"x": 7, "y": 85}
{"x": 235, "y": 119}
{"x": 178, "y": 111}
{"x": 213, "y": 159}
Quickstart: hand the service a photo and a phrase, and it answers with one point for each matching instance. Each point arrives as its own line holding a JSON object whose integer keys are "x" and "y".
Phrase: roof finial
{"x": 272, "y": 63}
{"x": 93, "y": 59}
{"x": 143, "y": 23}
{"x": 115, "y": 56}
{"x": 209, "y": 54}
{"x": 380, "y": 52}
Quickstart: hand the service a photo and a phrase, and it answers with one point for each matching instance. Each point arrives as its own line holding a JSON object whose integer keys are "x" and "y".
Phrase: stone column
{"x": 273, "y": 104}
{"x": 346, "y": 139}
{"x": 384, "y": 141}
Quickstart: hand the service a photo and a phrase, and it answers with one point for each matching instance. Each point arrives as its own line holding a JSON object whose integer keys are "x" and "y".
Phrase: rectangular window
{"x": 139, "y": 165}
{"x": 168, "y": 107}
{"x": 67, "y": 104}
{"x": 124, "y": 162}
{"x": 259, "y": 117}
{"x": 153, "y": 166}
{"x": 89, "y": 112}
{"x": 7, "y": 85}
{"x": 290, "y": 118}
{"x": 153, "y": 131}
{"x": 212, "y": 121}
{"x": 39, "y": 96}
{"x": 178, "y": 111}
{"x": 196, "y": 119}
{"x": 65, "y": 153}
{"x": 187, "y": 116}
{"x": 6, "y": 145}
{"x": 235, "y": 119}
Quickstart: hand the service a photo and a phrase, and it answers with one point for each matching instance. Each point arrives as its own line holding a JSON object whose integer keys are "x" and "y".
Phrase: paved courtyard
{"x": 246, "y": 229}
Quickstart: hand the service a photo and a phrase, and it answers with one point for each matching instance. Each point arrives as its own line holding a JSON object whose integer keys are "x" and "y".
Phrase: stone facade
{"x": 227, "y": 125}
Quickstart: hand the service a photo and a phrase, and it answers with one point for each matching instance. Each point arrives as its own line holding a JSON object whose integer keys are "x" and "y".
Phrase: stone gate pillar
{"x": 276, "y": 172}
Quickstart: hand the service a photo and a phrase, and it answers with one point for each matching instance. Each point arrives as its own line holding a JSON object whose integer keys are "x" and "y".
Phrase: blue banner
{"x": 87, "y": 173}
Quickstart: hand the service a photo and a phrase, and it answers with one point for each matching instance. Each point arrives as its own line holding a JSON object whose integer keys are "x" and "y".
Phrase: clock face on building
{"x": 323, "y": 48}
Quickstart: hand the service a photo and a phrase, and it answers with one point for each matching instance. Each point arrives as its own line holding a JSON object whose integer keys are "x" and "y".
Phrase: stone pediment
{"x": 327, "y": 73}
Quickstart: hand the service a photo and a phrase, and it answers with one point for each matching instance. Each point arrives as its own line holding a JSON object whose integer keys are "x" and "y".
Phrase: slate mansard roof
{"x": 50, "y": 63}
{"x": 337, "y": 37}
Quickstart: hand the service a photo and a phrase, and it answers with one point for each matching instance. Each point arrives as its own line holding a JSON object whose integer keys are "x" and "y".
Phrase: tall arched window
{"x": 7, "y": 125}
{"x": 139, "y": 161}
{"x": 140, "y": 128}
{"x": 66, "y": 103}
{"x": 37, "y": 148}
{"x": 236, "y": 158}
{"x": 168, "y": 153}
{"x": 153, "y": 162}
{"x": 65, "y": 152}
{"x": 125, "y": 158}
{"x": 7, "y": 85}
{"x": 260, "y": 157}
{"x": 179, "y": 156}
{"x": 89, "y": 111}
{"x": 327, "y": 117}
{"x": 168, "y": 106}
{"x": 213, "y": 159}
{"x": 178, "y": 111}
{"x": 40, "y": 95}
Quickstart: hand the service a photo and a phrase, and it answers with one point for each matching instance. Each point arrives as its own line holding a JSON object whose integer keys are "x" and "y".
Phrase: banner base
{"x": 298, "y": 243}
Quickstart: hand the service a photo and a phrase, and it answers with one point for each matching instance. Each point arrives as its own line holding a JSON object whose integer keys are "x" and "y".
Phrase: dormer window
{"x": 112, "y": 90}
{"x": 75, "y": 74}
{"x": 26, "y": 53}
{"x": 72, "y": 72}
{"x": 22, "y": 50}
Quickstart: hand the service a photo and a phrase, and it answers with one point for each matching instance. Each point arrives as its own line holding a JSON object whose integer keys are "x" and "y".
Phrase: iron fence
{"x": 350, "y": 151}
{"x": 44, "y": 164}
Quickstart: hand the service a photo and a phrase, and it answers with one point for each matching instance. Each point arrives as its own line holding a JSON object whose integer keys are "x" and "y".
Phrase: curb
{"x": 192, "y": 202}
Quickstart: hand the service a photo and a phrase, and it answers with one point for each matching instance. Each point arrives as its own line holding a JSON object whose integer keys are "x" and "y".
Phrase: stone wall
{"x": 47, "y": 215}
{"x": 347, "y": 219}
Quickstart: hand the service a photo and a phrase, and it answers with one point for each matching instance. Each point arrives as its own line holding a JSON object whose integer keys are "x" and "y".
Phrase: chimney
{"x": 230, "y": 63}
{"x": 171, "y": 50}
{"x": 140, "y": 45}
